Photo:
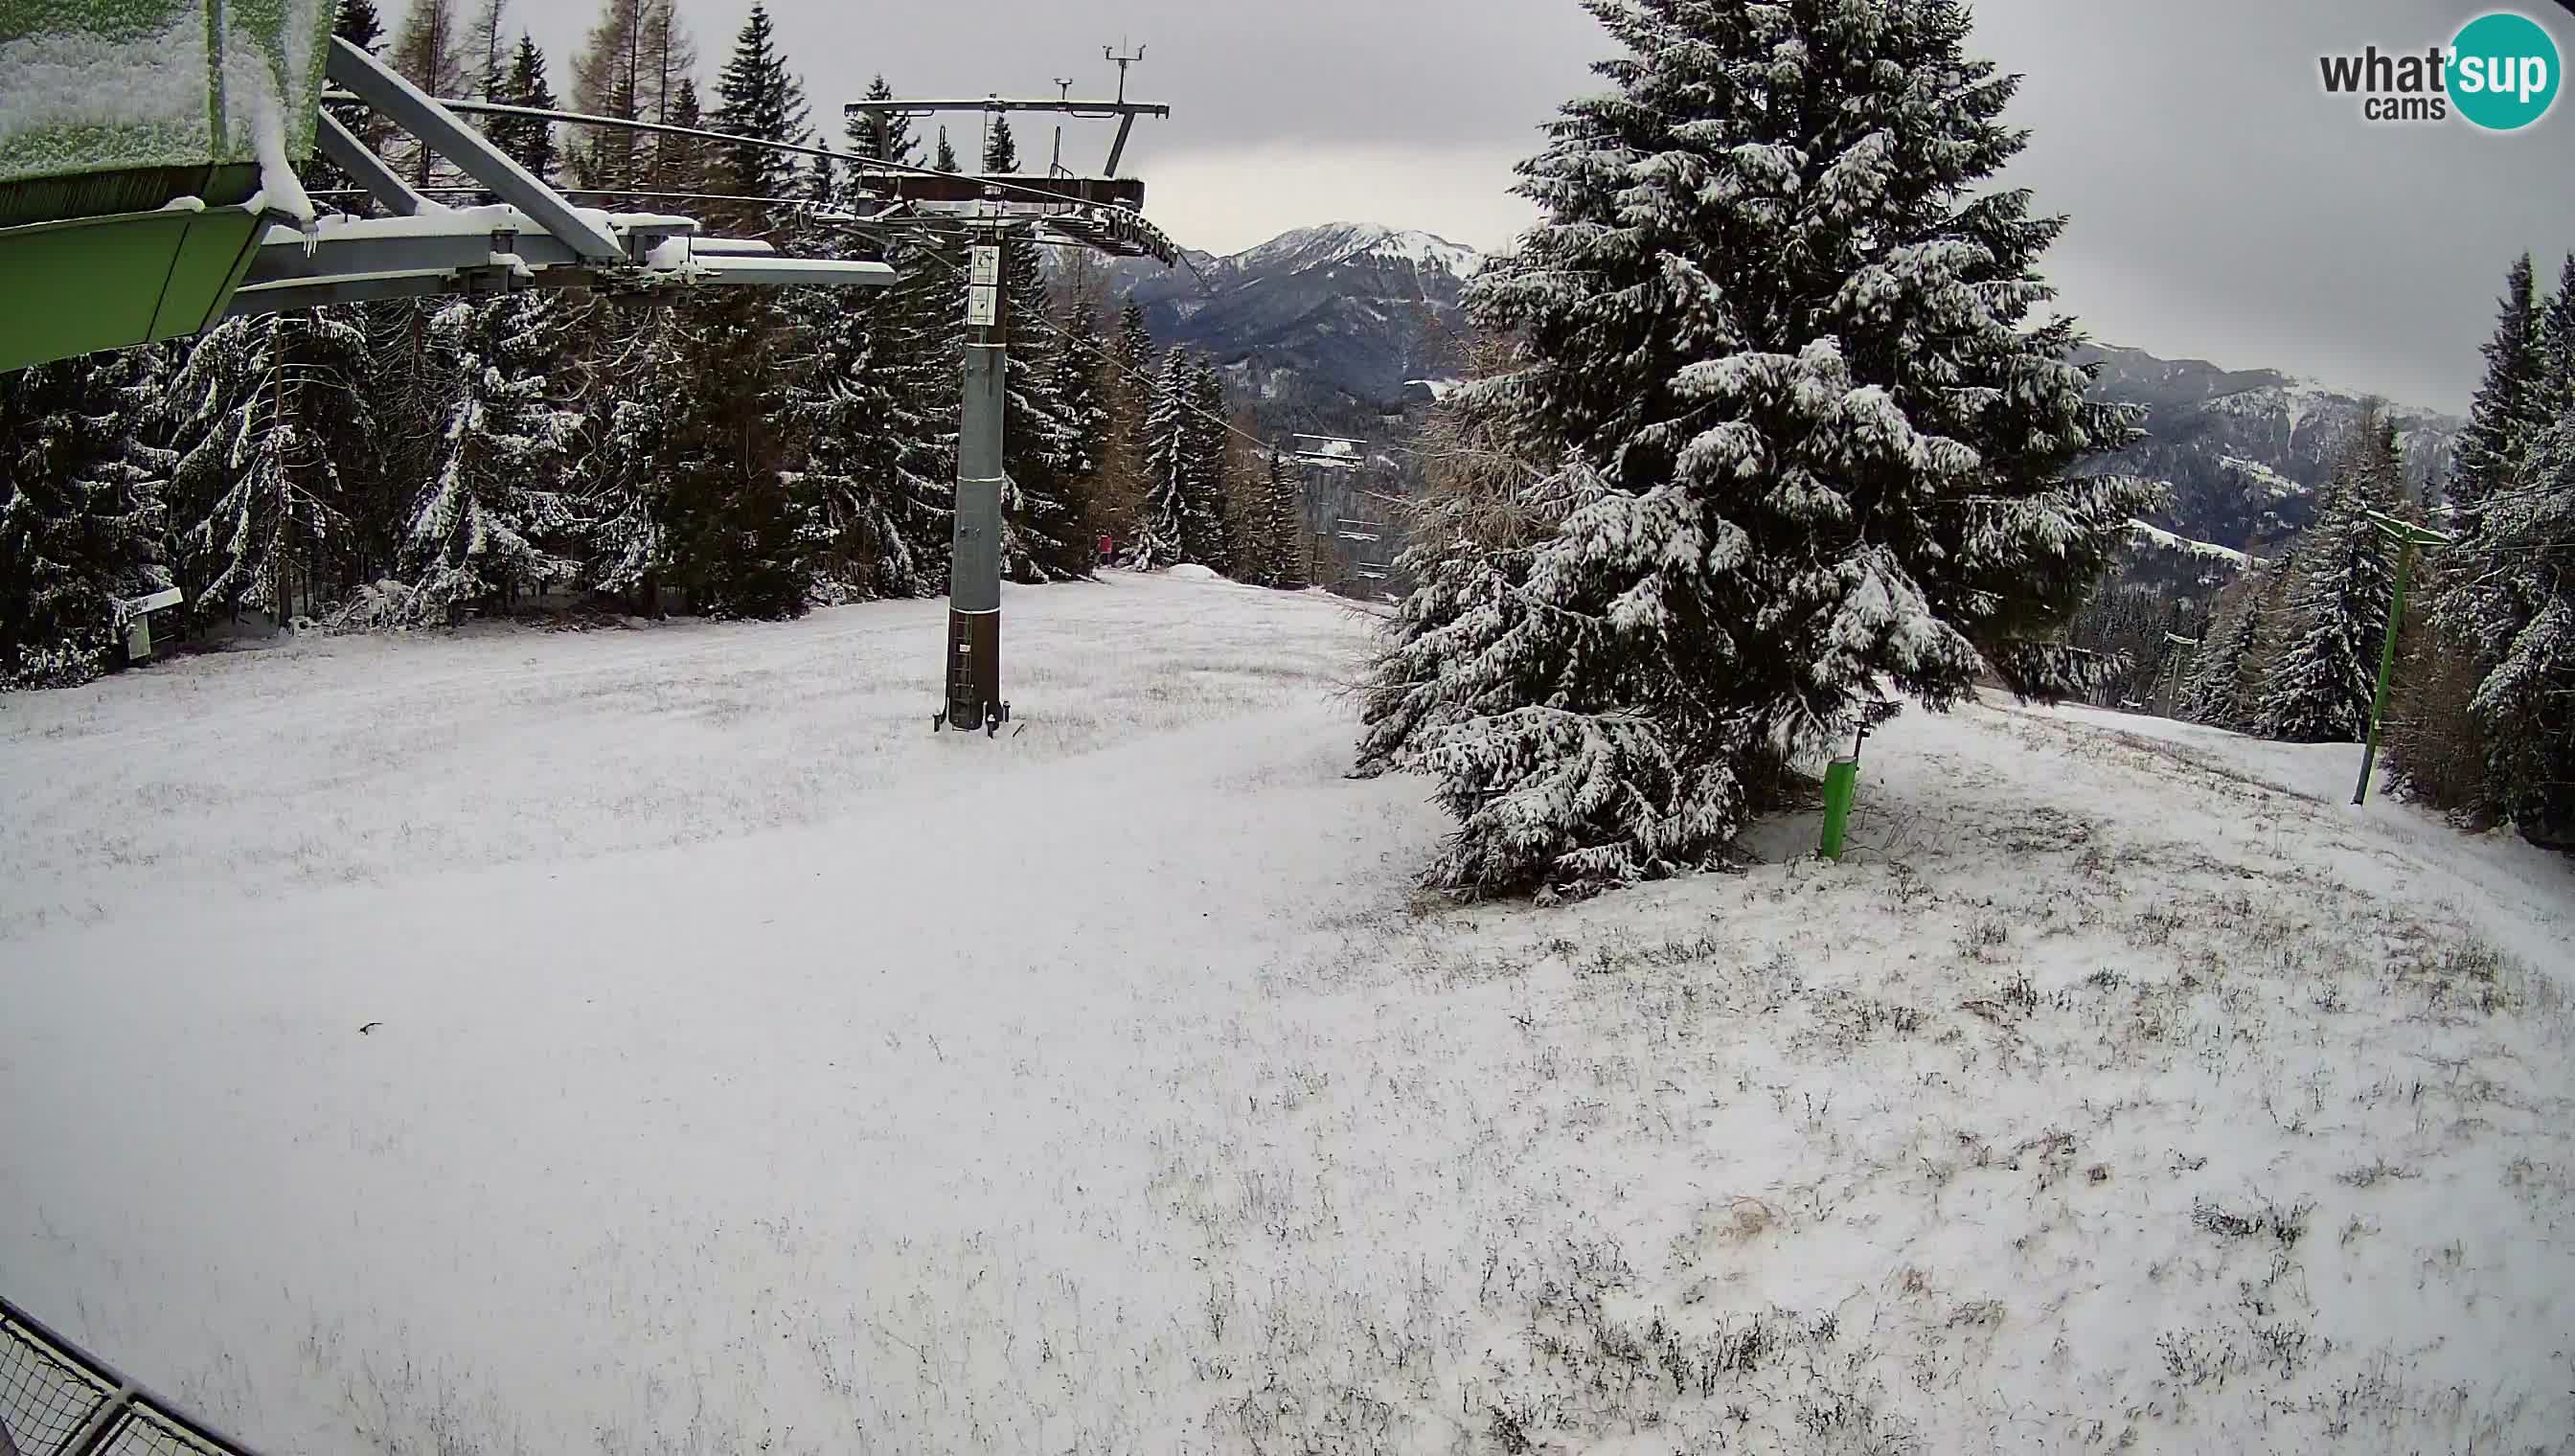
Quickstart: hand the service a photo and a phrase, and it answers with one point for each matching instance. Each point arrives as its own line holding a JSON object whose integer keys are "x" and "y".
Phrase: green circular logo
{"x": 2503, "y": 72}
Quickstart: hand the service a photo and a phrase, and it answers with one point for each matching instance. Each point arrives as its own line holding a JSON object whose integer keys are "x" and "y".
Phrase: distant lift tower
{"x": 1099, "y": 213}
{"x": 1362, "y": 544}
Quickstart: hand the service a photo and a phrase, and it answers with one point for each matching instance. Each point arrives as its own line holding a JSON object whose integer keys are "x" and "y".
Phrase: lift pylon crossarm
{"x": 439, "y": 129}
{"x": 497, "y": 248}
{"x": 968, "y": 187}
{"x": 1085, "y": 110}
{"x": 2398, "y": 529}
{"x": 361, "y": 162}
{"x": 534, "y": 237}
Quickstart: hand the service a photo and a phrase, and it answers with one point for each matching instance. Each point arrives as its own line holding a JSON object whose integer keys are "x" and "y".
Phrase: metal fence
{"x": 56, "y": 1400}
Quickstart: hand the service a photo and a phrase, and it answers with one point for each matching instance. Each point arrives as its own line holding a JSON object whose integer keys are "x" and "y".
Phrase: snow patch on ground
{"x": 753, "y": 1070}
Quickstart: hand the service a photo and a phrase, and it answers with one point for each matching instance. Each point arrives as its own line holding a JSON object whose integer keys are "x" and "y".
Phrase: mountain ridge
{"x": 1351, "y": 327}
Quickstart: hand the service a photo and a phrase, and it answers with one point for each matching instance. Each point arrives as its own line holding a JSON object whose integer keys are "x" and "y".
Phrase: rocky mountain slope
{"x": 1338, "y": 319}
{"x": 2245, "y": 449}
{"x": 1350, "y": 327}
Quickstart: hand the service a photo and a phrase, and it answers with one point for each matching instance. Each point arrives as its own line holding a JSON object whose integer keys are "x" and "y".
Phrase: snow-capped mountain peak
{"x": 1321, "y": 247}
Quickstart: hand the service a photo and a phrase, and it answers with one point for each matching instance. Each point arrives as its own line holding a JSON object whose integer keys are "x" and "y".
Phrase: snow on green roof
{"x": 106, "y": 86}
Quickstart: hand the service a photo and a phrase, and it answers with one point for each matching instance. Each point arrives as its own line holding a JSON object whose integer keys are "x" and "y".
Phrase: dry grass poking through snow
{"x": 2049, "y": 1128}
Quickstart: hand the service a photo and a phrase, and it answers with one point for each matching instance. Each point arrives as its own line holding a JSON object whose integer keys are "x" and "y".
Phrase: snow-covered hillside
{"x": 749, "y": 1070}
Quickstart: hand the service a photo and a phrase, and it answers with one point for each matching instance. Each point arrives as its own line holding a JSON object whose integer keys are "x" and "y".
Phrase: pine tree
{"x": 2516, "y": 589}
{"x": 1040, "y": 440}
{"x": 1084, "y": 392}
{"x": 2213, "y": 694}
{"x": 1168, "y": 521}
{"x": 895, "y": 144}
{"x": 2318, "y": 689}
{"x": 1127, "y": 384}
{"x": 2274, "y": 625}
{"x": 494, "y": 518}
{"x": 738, "y": 537}
{"x": 1807, "y": 451}
{"x": 529, "y": 141}
{"x": 1281, "y": 525}
{"x": 1001, "y": 149}
{"x": 920, "y": 334}
{"x": 257, "y": 492}
{"x": 2488, "y": 452}
{"x": 854, "y": 422}
{"x": 945, "y": 160}
{"x": 2436, "y": 752}
{"x": 680, "y": 165}
{"x": 762, "y": 100}
{"x": 81, "y": 517}
{"x": 1209, "y": 538}
{"x": 629, "y": 501}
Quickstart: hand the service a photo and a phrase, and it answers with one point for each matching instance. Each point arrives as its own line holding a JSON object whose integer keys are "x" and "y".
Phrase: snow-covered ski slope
{"x": 751, "y": 1071}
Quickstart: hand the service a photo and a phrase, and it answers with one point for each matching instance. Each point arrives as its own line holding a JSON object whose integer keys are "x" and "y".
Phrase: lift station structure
{"x": 149, "y": 191}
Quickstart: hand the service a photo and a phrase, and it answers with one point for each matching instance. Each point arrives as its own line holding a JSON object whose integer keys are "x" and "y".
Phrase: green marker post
{"x": 1841, "y": 786}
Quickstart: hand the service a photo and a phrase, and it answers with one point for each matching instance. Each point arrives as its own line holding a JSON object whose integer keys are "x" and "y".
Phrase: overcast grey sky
{"x": 2222, "y": 206}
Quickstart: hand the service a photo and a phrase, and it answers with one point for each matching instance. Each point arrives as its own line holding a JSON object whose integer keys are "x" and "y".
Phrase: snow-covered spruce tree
{"x": 2317, "y": 688}
{"x": 1208, "y": 538}
{"x": 2220, "y": 670}
{"x": 922, "y": 328}
{"x": 1280, "y": 524}
{"x": 1130, "y": 379}
{"x": 2503, "y": 417}
{"x": 2518, "y": 588}
{"x": 1080, "y": 384}
{"x": 628, "y": 496}
{"x": 739, "y": 541}
{"x": 1165, "y": 525}
{"x": 81, "y": 519}
{"x": 734, "y": 535}
{"x": 1040, "y": 442}
{"x": 1808, "y": 451}
{"x": 845, "y": 405}
{"x": 260, "y": 414}
{"x": 493, "y": 519}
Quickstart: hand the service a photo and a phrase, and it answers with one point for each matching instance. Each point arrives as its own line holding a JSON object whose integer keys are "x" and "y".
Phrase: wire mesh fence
{"x": 56, "y": 1400}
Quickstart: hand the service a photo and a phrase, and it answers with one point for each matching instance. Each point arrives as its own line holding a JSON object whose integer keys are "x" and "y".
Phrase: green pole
{"x": 2386, "y": 669}
{"x": 1842, "y": 785}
